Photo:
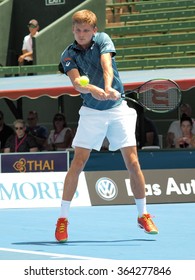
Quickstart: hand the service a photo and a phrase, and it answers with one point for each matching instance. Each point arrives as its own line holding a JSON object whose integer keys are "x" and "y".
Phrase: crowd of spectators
{"x": 30, "y": 136}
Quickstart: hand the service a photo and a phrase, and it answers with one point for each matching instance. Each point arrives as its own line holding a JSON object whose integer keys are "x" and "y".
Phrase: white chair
{"x": 150, "y": 148}
{"x": 160, "y": 139}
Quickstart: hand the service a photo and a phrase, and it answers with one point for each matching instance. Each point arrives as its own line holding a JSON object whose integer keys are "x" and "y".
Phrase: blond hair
{"x": 84, "y": 16}
{"x": 19, "y": 121}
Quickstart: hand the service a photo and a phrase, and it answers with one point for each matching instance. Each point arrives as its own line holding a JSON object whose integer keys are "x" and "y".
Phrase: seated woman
{"x": 60, "y": 137}
{"x": 187, "y": 140}
{"x": 20, "y": 141}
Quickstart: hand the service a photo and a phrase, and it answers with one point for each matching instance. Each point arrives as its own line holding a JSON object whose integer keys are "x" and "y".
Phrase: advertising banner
{"x": 162, "y": 186}
{"x": 41, "y": 189}
{"x": 35, "y": 162}
{"x": 44, "y": 189}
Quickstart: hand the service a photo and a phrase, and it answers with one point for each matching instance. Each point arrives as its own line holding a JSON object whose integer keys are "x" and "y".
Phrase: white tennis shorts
{"x": 117, "y": 124}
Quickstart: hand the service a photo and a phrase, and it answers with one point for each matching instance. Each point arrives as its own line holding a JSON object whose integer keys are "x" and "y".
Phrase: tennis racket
{"x": 156, "y": 95}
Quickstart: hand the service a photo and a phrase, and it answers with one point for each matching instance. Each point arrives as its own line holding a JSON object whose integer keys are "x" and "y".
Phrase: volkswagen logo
{"x": 106, "y": 189}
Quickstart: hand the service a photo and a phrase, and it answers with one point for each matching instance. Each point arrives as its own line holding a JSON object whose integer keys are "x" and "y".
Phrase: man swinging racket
{"x": 103, "y": 114}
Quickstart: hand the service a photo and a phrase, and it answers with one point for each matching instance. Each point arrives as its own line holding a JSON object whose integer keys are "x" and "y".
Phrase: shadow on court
{"x": 84, "y": 242}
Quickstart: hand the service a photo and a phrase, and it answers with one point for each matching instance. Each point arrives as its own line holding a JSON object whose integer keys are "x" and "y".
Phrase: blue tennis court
{"x": 98, "y": 232}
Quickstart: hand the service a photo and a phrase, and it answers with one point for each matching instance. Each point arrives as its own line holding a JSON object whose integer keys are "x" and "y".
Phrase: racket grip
{"x": 119, "y": 95}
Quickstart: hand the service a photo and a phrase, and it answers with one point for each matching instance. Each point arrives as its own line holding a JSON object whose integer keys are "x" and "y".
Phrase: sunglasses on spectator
{"x": 31, "y": 25}
{"x": 19, "y": 128}
{"x": 58, "y": 119}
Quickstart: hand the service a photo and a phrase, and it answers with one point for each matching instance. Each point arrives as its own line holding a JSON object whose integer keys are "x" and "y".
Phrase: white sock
{"x": 141, "y": 206}
{"x": 64, "y": 211}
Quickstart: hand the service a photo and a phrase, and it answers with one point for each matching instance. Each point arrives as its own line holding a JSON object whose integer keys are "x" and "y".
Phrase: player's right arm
{"x": 106, "y": 63}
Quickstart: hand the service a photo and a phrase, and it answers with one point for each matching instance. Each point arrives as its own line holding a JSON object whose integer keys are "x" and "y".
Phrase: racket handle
{"x": 119, "y": 95}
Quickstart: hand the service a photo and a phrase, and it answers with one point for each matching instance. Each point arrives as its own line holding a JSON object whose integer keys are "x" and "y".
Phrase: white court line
{"x": 52, "y": 255}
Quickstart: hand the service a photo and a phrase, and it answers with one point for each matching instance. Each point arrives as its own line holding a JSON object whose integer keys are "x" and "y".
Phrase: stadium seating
{"x": 182, "y": 49}
{"x": 150, "y": 63}
{"x": 160, "y": 34}
{"x": 23, "y": 70}
{"x": 144, "y": 6}
{"x": 152, "y": 28}
{"x": 158, "y": 16}
{"x": 155, "y": 39}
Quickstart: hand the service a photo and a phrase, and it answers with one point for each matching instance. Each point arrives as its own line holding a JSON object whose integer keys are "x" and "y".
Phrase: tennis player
{"x": 103, "y": 114}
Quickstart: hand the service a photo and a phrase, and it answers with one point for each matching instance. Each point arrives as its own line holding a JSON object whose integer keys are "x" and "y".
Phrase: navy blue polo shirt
{"x": 88, "y": 63}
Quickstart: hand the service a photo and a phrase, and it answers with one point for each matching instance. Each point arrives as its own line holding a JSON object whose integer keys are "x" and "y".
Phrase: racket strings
{"x": 161, "y": 96}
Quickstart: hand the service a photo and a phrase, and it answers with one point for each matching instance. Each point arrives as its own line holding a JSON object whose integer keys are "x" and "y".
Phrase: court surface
{"x": 99, "y": 232}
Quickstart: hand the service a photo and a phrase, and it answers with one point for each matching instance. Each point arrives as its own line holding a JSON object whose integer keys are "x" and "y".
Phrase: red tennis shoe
{"x": 61, "y": 233}
{"x": 145, "y": 222}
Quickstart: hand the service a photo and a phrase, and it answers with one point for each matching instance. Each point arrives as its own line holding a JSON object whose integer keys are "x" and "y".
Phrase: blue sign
{"x": 35, "y": 162}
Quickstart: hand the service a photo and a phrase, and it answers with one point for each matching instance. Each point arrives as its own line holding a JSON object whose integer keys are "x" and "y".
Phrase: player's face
{"x": 83, "y": 34}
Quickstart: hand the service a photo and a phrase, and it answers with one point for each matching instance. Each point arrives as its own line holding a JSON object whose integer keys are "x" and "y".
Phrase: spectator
{"x": 5, "y": 131}
{"x": 174, "y": 131}
{"x": 39, "y": 132}
{"x": 60, "y": 137}
{"x": 27, "y": 49}
{"x": 148, "y": 133}
{"x": 187, "y": 140}
{"x": 21, "y": 141}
